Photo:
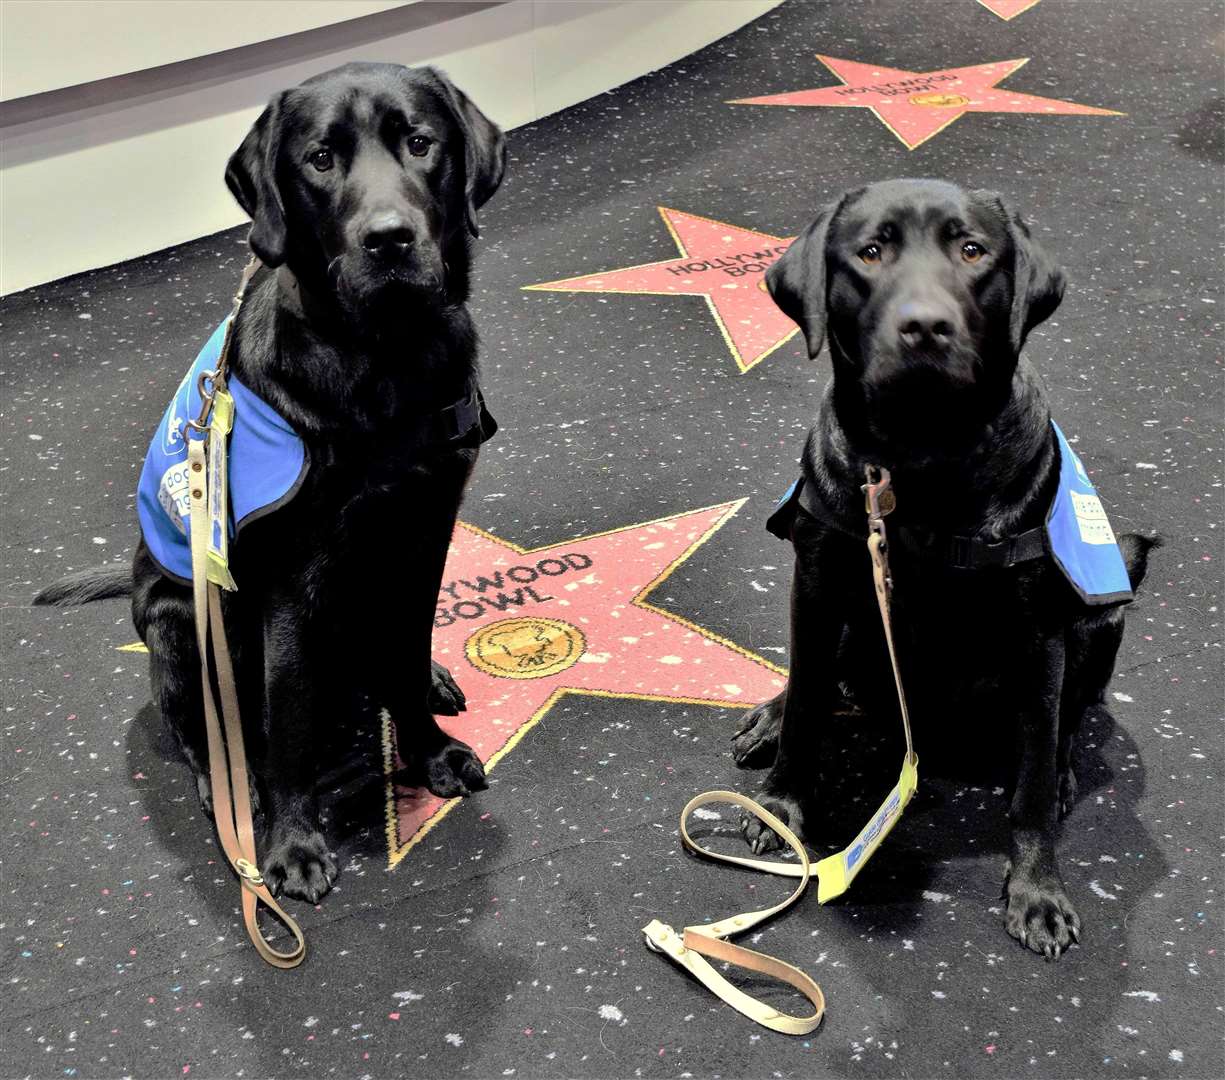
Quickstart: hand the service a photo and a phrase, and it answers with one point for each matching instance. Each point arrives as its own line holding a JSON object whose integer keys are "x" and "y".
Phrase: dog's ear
{"x": 797, "y": 280}
{"x": 250, "y": 175}
{"x": 1037, "y": 280}
{"x": 484, "y": 148}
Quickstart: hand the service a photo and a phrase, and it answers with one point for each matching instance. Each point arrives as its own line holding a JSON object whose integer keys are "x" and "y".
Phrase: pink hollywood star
{"x": 1007, "y": 9}
{"x": 520, "y": 628}
{"x": 721, "y": 263}
{"x": 915, "y": 105}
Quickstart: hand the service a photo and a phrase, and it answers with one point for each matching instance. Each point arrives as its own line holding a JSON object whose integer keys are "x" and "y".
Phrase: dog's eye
{"x": 871, "y": 254}
{"x": 972, "y": 252}
{"x": 321, "y": 159}
{"x": 419, "y": 145}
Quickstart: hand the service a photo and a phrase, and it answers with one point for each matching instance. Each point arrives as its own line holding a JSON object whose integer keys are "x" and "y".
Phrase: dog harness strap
{"x": 458, "y": 419}
{"x": 694, "y": 944}
{"x": 974, "y": 553}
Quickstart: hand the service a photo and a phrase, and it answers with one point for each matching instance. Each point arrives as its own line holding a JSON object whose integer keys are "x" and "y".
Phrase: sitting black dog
{"x": 927, "y": 293}
{"x": 362, "y": 185}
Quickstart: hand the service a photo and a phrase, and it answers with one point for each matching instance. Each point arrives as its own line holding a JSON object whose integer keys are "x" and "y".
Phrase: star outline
{"x": 957, "y": 114}
{"x": 741, "y": 363}
{"x": 396, "y": 851}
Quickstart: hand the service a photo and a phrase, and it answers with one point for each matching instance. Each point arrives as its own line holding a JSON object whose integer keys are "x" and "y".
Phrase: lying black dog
{"x": 362, "y": 185}
{"x": 927, "y": 294}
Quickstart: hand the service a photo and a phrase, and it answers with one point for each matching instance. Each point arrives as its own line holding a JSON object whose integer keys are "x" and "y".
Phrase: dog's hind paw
{"x": 299, "y": 865}
{"x": 759, "y": 836}
{"x": 1041, "y": 916}
{"x": 445, "y": 697}
{"x": 755, "y": 745}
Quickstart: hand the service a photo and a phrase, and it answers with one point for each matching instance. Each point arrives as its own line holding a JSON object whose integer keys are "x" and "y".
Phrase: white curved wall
{"x": 114, "y": 140}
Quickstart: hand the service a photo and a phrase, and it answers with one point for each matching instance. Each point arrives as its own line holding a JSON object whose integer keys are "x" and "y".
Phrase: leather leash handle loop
{"x": 227, "y": 762}
{"x": 802, "y": 869}
{"x": 690, "y": 949}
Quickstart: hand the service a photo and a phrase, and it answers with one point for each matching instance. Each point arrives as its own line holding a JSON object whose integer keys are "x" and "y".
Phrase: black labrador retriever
{"x": 363, "y": 185}
{"x": 926, "y": 293}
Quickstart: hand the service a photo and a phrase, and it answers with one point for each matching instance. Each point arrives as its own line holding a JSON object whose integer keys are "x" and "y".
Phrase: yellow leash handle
{"x": 694, "y": 944}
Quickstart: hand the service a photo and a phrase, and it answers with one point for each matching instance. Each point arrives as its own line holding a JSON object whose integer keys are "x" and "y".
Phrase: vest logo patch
{"x": 172, "y": 494}
{"x": 1091, "y": 519}
{"x": 266, "y": 458}
{"x": 176, "y": 417}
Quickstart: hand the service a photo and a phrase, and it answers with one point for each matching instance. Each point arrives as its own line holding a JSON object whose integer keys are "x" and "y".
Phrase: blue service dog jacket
{"x": 267, "y": 460}
{"x": 1076, "y": 535}
{"x": 267, "y": 464}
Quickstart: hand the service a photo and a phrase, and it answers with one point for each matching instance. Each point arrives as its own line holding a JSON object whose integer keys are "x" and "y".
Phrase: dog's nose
{"x": 387, "y": 236}
{"x": 923, "y": 322}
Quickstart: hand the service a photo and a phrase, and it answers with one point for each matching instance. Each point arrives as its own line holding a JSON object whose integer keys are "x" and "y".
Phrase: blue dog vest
{"x": 267, "y": 464}
{"x": 1079, "y": 535}
{"x": 1076, "y": 535}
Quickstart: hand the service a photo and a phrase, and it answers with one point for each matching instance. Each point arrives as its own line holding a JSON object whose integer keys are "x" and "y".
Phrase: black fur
{"x": 355, "y": 333}
{"x": 925, "y": 336}
{"x": 85, "y": 586}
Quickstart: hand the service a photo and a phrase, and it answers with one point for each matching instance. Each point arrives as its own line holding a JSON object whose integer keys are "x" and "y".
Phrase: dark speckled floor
{"x": 506, "y": 942}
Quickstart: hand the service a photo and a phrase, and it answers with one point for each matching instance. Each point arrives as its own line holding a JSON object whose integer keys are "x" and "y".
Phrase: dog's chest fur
{"x": 357, "y": 532}
{"x": 961, "y": 635}
{"x": 375, "y": 501}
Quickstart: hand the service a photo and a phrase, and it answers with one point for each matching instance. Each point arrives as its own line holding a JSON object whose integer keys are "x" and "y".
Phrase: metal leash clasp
{"x": 879, "y": 498}
{"x": 208, "y": 384}
{"x": 212, "y": 383}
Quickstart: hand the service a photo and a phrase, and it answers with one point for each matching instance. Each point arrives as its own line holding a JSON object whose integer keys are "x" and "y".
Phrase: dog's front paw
{"x": 755, "y": 745}
{"x": 454, "y": 770}
{"x": 445, "y": 697}
{"x": 759, "y": 836}
{"x": 1040, "y": 915}
{"x": 299, "y": 865}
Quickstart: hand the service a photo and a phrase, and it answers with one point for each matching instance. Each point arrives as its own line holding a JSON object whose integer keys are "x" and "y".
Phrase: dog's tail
{"x": 1135, "y": 549}
{"x": 83, "y": 586}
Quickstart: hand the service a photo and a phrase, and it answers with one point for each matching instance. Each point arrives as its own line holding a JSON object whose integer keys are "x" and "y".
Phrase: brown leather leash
{"x": 227, "y": 760}
{"x": 880, "y": 501}
{"x": 690, "y": 948}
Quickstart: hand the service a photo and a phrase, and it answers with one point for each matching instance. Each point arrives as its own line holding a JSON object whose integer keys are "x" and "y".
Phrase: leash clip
{"x": 879, "y": 498}
{"x": 209, "y": 383}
